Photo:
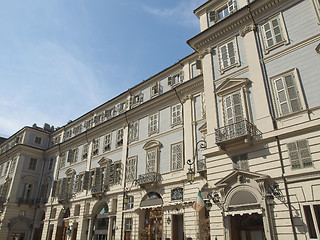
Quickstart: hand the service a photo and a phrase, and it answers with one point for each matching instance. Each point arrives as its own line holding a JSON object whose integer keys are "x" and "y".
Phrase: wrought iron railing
{"x": 234, "y": 131}
{"x": 149, "y": 178}
{"x": 201, "y": 165}
{"x": 62, "y": 198}
{"x": 99, "y": 189}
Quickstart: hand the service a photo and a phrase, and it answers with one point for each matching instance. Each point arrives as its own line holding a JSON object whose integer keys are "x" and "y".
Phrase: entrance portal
{"x": 177, "y": 227}
{"x": 247, "y": 227}
{"x": 154, "y": 224}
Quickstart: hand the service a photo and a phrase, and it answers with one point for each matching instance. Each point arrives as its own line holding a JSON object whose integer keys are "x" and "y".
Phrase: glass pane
{"x": 310, "y": 223}
{"x": 284, "y": 108}
{"x": 279, "y": 84}
{"x": 282, "y": 96}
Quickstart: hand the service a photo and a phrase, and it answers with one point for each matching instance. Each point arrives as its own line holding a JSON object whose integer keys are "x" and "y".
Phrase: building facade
{"x": 241, "y": 115}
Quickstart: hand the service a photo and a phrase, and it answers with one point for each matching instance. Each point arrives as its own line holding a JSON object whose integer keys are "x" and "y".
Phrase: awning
{"x": 241, "y": 212}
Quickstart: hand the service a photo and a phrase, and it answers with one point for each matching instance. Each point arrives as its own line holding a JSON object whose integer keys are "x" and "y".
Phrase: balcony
{"x": 64, "y": 198}
{"x": 201, "y": 165}
{"x": 236, "y": 132}
{"x": 149, "y": 178}
{"x": 99, "y": 190}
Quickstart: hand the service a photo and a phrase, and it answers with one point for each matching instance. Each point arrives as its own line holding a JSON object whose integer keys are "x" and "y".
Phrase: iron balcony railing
{"x": 234, "y": 131}
{"x": 63, "y": 198}
{"x": 99, "y": 189}
{"x": 201, "y": 165}
{"x": 149, "y": 178}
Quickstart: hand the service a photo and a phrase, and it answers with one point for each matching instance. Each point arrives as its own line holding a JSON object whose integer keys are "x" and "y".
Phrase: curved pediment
{"x": 29, "y": 179}
{"x": 152, "y": 144}
{"x": 230, "y": 84}
{"x": 104, "y": 161}
{"x": 70, "y": 171}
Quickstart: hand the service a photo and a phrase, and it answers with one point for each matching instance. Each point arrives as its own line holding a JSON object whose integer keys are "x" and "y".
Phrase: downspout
{"x": 272, "y": 113}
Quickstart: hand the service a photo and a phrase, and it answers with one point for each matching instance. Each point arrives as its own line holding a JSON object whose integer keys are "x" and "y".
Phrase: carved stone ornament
{"x": 204, "y": 52}
{"x": 247, "y": 29}
{"x": 188, "y": 97}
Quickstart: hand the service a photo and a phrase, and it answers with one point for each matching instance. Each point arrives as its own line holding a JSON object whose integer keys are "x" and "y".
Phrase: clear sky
{"x": 61, "y": 58}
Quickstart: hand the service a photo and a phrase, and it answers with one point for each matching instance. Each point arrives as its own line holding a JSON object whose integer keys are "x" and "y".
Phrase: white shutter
{"x": 224, "y": 56}
{"x": 232, "y": 6}
{"x": 304, "y": 152}
{"x": 293, "y": 95}
{"x": 151, "y": 161}
{"x": 176, "y": 157}
{"x": 212, "y": 16}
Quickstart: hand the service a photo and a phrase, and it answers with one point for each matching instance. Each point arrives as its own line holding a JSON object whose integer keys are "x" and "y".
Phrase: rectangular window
{"x": 228, "y": 55}
{"x": 240, "y": 162}
{"x": 176, "y": 116}
{"x": 131, "y": 170}
{"x": 154, "y": 123}
{"x": 95, "y": 146}
{"x": 233, "y": 111}
{"x": 176, "y": 78}
{"x": 38, "y": 140}
{"x": 176, "y": 156}
{"x": 26, "y": 191}
{"x": 33, "y": 164}
{"x": 136, "y": 99}
{"x": 195, "y": 69}
{"x": 117, "y": 173}
{"x": 312, "y": 217}
{"x": 120, "y": 137}
{"x": 85, "y": 151}
{"x": 286, "y": 94}
{"x": 107, "y": 143}
{"x": 222, "y": 12}
{"x": 133, "y": 131}
{"x": 273, "y": 33}
{"x": 128, "y": 224}
{"x": 155, "y": 89}
{"x": 51, "y": 161}
{"x": 72, "y": 156}
{"x": 152, "y": 161}
{"x": 299, "y": 154}
{"x": 130, "y": 204}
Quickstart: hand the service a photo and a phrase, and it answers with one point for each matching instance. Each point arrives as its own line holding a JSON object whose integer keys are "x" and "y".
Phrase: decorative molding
{"x": 186, "y": 98}
{"x": 247, "y": 29}
{"x": 318, "y": 48}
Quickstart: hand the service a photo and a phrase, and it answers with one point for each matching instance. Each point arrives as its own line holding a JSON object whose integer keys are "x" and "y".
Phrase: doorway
{"x": 247, "y": 227}
{"x": 154, "y": 224}
{"x": 177, "y": 227}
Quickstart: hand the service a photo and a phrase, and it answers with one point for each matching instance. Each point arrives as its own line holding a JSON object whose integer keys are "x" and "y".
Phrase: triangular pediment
{"x": 231, "y": 84}
{"x": 104, "y": 161}
{"x": 237, "y": 174}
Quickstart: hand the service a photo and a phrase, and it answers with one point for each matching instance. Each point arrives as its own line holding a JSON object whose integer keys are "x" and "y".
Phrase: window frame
{"x": 283, "y": 29}
{"x": 230, "y": 65}
{"x": 85, "y": 151}
{"x": 195, "y": 71}
{"x": 119, "y": 138}
{"x": 173, "y": 110}
{"x": 151, "y": 128}
{"x": 132, "y": 168}
{"x": 133, "y": 136}
{"x": 300, "y": 159}
{"x": 32, "y": 164}
{"x": 107, "y": 144}
{"x": 298, "y": 88}
{"x": 172, "y": 155}
{"x": 176, "y": 78}
{"x": 315, "y": 221}
{"x": 38, "y": 140}
{"x": 155, "y": 86}
{"x": 95, "y": 146}
{"x": 213, "y": 14}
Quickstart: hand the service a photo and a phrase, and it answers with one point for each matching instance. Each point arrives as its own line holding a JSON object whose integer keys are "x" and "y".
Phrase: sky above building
{"x": 60, "y": 59}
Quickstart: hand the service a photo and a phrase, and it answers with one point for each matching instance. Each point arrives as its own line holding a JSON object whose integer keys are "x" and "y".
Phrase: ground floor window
{"x": 312, "y": 217}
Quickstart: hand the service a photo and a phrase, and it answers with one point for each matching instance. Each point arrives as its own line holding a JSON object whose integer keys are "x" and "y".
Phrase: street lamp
{"x": 191, "y": 172}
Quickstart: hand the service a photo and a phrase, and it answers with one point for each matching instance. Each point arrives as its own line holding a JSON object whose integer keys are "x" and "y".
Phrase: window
{"x": 117, "y": 173}
{"x": 177, "y": 194}
{"x": 152, "y": 161}
{"x": 176, "y": 156}
{"x": 12, "y": 165}
{"x": 72, "y": 156}
{"x": 195, "y": 68}
{"x": 95, "y": 146}
{"x": 154, "y": 123}
{"x": 299, "y": 154}
{"x": 312, "y": 217}
{"x": 76, "y": 130}
{"x": 107, "y": 142}
{"x": 51, "y": 161}
{"x": 286, "y": 93}
{"x": 32, "y": 163}
{"x": 1, "y": 168}
{"x": 85, "y": 151}
{"x": 120, "y": 137}
{"x": 232, "y": 106}
{"x": 228, "y": 55}
{"x": 38, "y": 140}
{"x": 130, "y": 204}
{"x": 155, "y": 89}
{"x": 67, "y": 135}
{"x": 131, "y": 170}
{"x": 26, "y": 194}
{"x": 128, "y": 224}
{"x": 222, "y": 12}
{"x": 133, "y": 131}
{"x": 88, "y": 124}
{"x": 316, "y": 4}
{"x": 176, "y": 78}
{"x": 176, "y": 117}
{"x": 273, "y": 33}
{"x": 240, "y": 162}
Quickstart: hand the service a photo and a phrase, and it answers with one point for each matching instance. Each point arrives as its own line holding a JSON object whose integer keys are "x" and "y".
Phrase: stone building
{"x": 240, "y": 116}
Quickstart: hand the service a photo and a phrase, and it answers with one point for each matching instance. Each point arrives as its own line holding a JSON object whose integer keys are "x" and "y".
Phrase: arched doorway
{"x": 101, "y": 222}
{"x": 63, "y": 229}
{"x": 153, "y": 220}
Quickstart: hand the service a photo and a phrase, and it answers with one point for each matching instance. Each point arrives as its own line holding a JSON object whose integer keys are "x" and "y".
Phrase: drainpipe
{"x": 272, "y": 113}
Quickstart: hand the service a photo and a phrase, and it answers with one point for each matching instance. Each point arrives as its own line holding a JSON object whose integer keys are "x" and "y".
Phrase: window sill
{"x": 223, "y": 70}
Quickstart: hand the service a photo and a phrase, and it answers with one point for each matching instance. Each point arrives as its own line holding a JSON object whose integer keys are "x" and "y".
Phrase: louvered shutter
{"x": 233, "y": 108}
{"x": 212, "y": 16}
{"x": 141, "y": 97}
{"x": 277, "y": 31}
{"x": 294, "y": 155}
{"x": 169, "y": 80}
{"x": 224, "y": 56}
{"x": 97, "y": 177}
{"x": 293, "y": 96}
{"x": 86, "y": 180}
{"x": 70, "y": 156}
{"x": 231, "y": 53}
{"x": 305, "y": 154}
{"x": 281, "y": 96}
{"x": 151, "y": 161}
{"x": 181, "y": 75}
{"x": 232, "y": 6}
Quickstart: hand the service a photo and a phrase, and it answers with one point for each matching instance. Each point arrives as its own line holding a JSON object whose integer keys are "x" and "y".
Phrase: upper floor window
{"x": 72, "y": 156}
{"x": 228, "y": 55}
{"x": 176, "y": 78}
{"x": 286, "y": 93}
{"x": 154, "y": 123}
{"x": 107, "y": 142}
{"x": 136, "y": 99}
{"x": 273, "y": 33}
{"x": 133, "y": 131}
{"x": 33, "y": 163}
{"x": 299, "y": 154}
{"x": 95, "y": 146}
{"x": 26, "y": 194}
{"x": 232, "y": 106}
{"x": 38, "y": 140}
{"x": 51, "y": 162}
{"x": 176, "y": 156}
{"x": 176, "y": 116}
{"x": 128, "y": 224}
{"x": 131, "y": 168}
{"x": 195, "y": 68}
{"x": 155, "y": 89}
{"x": 152, "y": 155}
{"x": 240, "y": 162}
{"x": 85, "y": 151}
{"x": 120, "y": 137}
{"x": 130, "y": 204}
{"x": 221, "y": 12}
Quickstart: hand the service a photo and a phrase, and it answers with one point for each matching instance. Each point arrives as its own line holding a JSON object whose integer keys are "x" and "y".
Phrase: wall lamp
{"x": 275, "y": 190}
{"x": 191, "y": 171}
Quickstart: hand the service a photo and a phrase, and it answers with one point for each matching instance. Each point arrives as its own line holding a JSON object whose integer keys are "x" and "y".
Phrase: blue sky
{"x": 60, "y": 59}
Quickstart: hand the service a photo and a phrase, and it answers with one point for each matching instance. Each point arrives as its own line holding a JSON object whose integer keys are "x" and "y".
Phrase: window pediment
{"x": 152, "y": 144}
{"x": 70, "y": 171}
{"x": 29, "y": 179}
{"x": 231, "y": 84}
{"x": 104, "y": 161}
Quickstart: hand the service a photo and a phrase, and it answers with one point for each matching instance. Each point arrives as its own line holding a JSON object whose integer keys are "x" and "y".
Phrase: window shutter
{"x": 294, "y": 155}
{"x": 54, "y": 189}
{"x": 212, "y": 16}
{"x": 181, "y": 75}
{"x": 97, "y": 177}
{"x": 141, "y": 97}
{"x": 70, "y": 156}
{"x": 169, "y": 80}
{"x": 224, "y": 56}
{"x": 232, "y": 6}
{"x": 64, "y": 187}
{"x": 293, "y": 96}
{"x": 305, "y": 154}
{"x": 281, "y": 95}
{"x": 277, "y": 31}
{"x": 151, "y": 161}
{"x": 86, "y": 180}
{"x": 231, "y": 53}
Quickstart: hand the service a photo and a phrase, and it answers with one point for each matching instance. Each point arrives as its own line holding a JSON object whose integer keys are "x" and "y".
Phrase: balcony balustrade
{"x": 64, "y": 198}
{"x": 149, "y": 178}
{"x": 235, "y": 132}
{"x": 99, "y": 189}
